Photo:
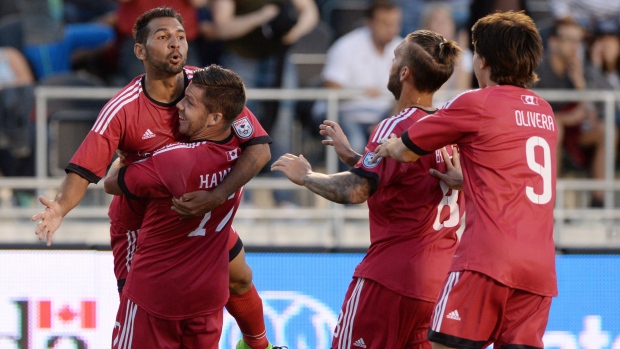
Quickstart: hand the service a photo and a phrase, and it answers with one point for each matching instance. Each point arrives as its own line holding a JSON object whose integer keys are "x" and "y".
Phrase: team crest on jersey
{"x": 367, "y": 162}
{"x": 530, "y": 100}
{"x": 243, "y": 127}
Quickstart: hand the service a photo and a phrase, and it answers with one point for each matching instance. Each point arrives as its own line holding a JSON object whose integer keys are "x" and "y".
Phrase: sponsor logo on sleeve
{"x": 243, "y": 127}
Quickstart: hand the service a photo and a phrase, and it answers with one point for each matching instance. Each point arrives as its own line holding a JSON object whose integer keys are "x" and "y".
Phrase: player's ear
{"x": 140, "y": 51}
{"x": 215, "y": 118}
{"x": 405, "y": 73}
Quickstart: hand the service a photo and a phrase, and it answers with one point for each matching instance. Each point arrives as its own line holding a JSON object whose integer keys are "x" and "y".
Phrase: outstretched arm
{"x": 198, "y": 203}
{"x": 394, "y": 148}
{"x": 342, "y": 188}
{"x": 339, "y": 141}
{"x": 70, "y": 193}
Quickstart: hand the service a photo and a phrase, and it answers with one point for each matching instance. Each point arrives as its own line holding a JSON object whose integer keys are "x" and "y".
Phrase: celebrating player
{"x": 503, "y": 274}
{"x": 178, "y": 282}
{"x": 413, "y": 215}
{"x": 141, "y": 118}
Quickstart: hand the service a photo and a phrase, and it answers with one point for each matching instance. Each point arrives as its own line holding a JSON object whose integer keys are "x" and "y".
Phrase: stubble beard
{"x": 395, "y": 86}
{"x": 164, "y": 66}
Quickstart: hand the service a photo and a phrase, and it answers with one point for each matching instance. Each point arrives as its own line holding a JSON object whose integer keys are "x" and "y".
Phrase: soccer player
{"x": 503, "y": 275}
{"x": 141, "y": 118}
{"x": 178, "y": 282}
{"x": 413, "y": 215}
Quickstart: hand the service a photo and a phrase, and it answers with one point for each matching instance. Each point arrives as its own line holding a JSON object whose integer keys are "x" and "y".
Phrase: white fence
{"x": 574, "y": 225}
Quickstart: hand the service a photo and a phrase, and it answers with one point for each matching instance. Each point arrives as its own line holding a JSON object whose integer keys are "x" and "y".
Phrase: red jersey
{"x": 181, "y": 267}
{"x": 138, "y": 125}
{"x": 507, "y": 137}
{"x": 128, "y": 12}
{"x": 413, "y": 218}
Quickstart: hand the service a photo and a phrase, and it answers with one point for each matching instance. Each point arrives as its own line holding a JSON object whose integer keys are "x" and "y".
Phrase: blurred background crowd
{"x": 292, "y": 44}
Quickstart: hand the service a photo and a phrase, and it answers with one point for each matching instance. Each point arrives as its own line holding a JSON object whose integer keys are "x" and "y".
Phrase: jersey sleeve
{"x": 92, "y": 158}
{"x": 141, "y": 180}
{"x": 457, "y": 123}
{"x": 384, "y": 170}
{"x": 248, "y": 130}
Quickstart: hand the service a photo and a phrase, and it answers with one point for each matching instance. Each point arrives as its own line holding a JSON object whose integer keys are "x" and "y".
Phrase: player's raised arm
{"x": 339, "y": 141}
{"x": 342, "y": 188}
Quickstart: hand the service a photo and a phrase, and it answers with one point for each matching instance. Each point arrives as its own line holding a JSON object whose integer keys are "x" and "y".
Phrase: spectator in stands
{"x": 603, "y": 66}
{"x": 578, "y": 123}
{"x": 51, "y": 44}
{"x": 129, "y": 10}
{"x": 438, "y": 17}
{"x": 362, "y": 59}
{"x": 16, "y": 123}
{"x": 257, "y": 35}
{"x": 593, "y": 15}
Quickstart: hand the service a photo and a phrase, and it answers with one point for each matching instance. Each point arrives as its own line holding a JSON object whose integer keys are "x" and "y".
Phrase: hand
{"x": 454, "y": 174}
{"x": 122, "y": 156}
{"x": 269, "y": 12}
{"x": 196, "y": 203}
{"x": 51, "y": 219}
{"x": 383, "y": 150}
{"x": 295, "y": 168}
{"x": 339, "y": 141}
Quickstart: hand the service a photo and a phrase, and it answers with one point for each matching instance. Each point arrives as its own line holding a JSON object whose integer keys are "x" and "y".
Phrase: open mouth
{"x": 182, "y": 118}
{"x": 175, "y": 57}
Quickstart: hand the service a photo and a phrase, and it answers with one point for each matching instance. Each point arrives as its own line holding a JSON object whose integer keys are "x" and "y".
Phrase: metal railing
{"x": 336, "y": 214}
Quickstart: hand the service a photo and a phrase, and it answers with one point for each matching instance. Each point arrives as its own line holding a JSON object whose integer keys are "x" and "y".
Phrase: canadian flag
{"x": 232, "y": 154}
{"x": 64, "y": 314}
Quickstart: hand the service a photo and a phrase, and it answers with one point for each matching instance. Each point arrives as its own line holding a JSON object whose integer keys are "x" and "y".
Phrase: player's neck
{"x": 164, "y": 89}
{"x": 415, "y": 100}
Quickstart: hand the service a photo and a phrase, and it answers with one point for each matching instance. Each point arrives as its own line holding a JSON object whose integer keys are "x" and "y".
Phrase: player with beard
{"x": 141, "y": 118}
{"x": 503, "y": 274}
{"x": 413, "y": 215}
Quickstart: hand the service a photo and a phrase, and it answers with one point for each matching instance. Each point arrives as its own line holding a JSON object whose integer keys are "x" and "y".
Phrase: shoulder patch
{"x": 243, "y": 127}
{"x": 367, "y": 162}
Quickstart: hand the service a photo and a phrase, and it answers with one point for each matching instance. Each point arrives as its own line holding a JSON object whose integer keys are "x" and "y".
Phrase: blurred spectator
{"x": 578, "y": 123}
{"x": 16, "y": 123}
{"x": 128, "y": 10}
{"x": 362, "y": 59}
{"x": 413, "y": 13}
{"x": 14, "y": 69}
{"x": 82, "y": 11}
{"x": 593, "y": 15}
{"x": 603, "y": 69}
{"x": 50, "y": 44}
{"x": 438, "y": 17}
{"x": 257, "y": 35}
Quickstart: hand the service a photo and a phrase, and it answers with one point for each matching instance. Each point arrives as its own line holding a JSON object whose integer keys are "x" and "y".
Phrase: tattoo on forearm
{"x": 342, "y": 188}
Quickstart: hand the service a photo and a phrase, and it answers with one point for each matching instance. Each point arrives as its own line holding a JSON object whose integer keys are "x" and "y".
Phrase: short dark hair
{"x": 224, "y": 91}
{"x": 140, "y": 28}
{"x": 377, "y": 5}
{"x": 511, "y": 45}
{"x": 563, "y": 22}
{"x": 431, "y": 59}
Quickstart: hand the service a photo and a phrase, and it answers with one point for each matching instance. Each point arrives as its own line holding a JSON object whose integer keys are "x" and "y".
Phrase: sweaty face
{"x": 166, "y": 46}
{"x": 192, "y": 111}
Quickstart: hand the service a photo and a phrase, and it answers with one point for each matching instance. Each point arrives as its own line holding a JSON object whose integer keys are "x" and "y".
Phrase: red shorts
{"x": 124, "y": 243}
{"x": 135, "y": 328}
{"x": 374, "y": 317}
{"x": 474, "y": 311}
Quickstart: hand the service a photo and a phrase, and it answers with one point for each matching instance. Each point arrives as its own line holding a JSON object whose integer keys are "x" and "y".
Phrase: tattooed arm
{"x": 342, "y": 188}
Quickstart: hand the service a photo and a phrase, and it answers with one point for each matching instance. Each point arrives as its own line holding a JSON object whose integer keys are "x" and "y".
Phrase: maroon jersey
{"x": 413, "y": 218}
{"x": 507, "y": 137}
{"x": 138, "y": 125}
{"x": 181, "y": 267}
